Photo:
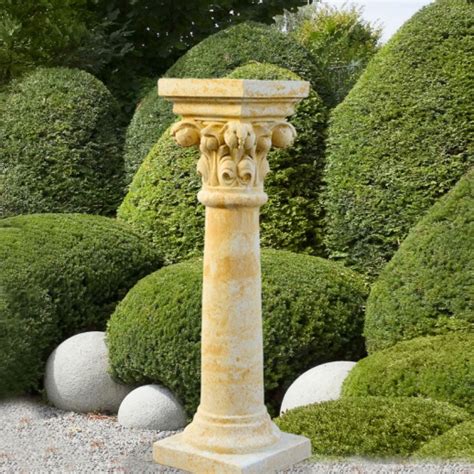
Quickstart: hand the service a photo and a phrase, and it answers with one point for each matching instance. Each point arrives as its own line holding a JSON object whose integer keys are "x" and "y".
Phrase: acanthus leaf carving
{"x": 233, "y": 153}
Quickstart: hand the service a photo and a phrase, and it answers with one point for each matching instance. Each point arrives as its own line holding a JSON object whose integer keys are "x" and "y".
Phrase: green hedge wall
{"x": 312, "y": 312}
{"x": 216, "y": 56}
{"x": 60, "y": 146}
{"x": 60, "y": 274}
{"x": 402, "y": 137}
{"x": 428, "y": 286}
{"x": 371, "y": 427}
{"x": 436, "y": 367}
{"x": 161, "y": 203}
{"x": 455, "y": 444}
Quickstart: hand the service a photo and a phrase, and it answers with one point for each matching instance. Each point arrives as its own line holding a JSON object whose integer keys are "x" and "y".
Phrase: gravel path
{"x": 36, "y": 438}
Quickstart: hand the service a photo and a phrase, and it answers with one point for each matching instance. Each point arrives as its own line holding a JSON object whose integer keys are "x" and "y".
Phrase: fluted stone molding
{"x": 234, "y": 123}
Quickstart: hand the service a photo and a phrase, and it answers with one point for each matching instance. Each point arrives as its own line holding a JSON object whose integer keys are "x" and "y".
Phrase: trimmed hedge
{"x": 403, "y": 136}
{"x": 373, "y": 426}
{"x": 436, "y": 367}
{"x": 161, "y": 203}
{"x": 60, "y": 147}
{"x": 312, "y": 313}
{"x": 457, "y": 443}
{"x": 428, "y": 286}
{"x": 60, "y": 274}
{"x": 216, "y": 56}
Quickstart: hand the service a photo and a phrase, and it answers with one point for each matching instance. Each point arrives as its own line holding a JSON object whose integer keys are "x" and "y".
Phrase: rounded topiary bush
{"x": 216, "y": 56}
{"x": 437, "y": 367}
{"x": 161, "y": 202}
{"x": 403, "y": 136}
{"x": 427, "y": 287}
{"x": 60, "y": 147}
{"x": 372, "y": 426}
{"x": 457, "y": 443}
{"x": 312, "y": 312}
{"x": 60, "y": 274}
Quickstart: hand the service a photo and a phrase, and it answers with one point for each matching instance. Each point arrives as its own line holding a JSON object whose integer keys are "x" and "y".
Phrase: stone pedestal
{"x": 234, "y": 123}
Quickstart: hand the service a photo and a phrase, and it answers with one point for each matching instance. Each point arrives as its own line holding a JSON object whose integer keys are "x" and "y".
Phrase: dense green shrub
{"x": 59, "y": 145}
{"x": 216, "y": 56}
{"x": 437, "y": 367}
{"x": 428, "y": 286}
{"x": 161, "y": 202}
{"x": 60, "y": 274}
{"x": 312, "y": 313}
{"x": 402, "y": 137}
{"x": 372, "y": 426}
{"x": 457, "y": 443}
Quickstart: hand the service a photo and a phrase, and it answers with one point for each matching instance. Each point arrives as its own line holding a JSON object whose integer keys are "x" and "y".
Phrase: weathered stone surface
{"x": 76, "y": 376}
{"x": 317, "y": 385}
{"x": 235, "y": 123}
{"x": 151, "y": 407}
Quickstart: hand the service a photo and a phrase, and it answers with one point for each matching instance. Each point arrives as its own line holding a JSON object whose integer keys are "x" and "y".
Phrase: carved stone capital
{"x": 233, "y": 153}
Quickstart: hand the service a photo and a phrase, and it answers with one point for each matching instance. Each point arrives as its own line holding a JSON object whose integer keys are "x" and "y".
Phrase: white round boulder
{"x": 151, "y": 407}
{"x": 77, "y": 378}
{"x": 319, "y": 384}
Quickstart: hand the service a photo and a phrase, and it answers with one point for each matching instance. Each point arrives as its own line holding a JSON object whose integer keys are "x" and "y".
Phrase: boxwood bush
{"x": 216, "y": 56}
{"x": 403, "y": 136}
{"x": 60, "y": 149}
{"x": 371, "y": 426}
{"x": 161, "y": 202}
{"x": 437, "y": 367}
{"x": 60, "y": 274}
{"x": 312, "y": 313}
{"x": 427, "y": 287}
{"x": 457, "y": 443}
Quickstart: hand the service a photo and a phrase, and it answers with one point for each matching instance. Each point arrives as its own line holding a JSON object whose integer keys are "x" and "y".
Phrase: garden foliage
{"x": 216, "y": 56}
{"x": 59, "y": 145}
{"x": 340, "y": 40}
{"x": 428, "y": 286}
{"x": 371, "y": 426}
{"x": 161, "y": 203}
{"x": 455, "y": 444}
{"x": 402, "y": 137}
{"x": 436, "y": 367}
{"x": 312, "y": 313}
{"x": 60, "y": 274}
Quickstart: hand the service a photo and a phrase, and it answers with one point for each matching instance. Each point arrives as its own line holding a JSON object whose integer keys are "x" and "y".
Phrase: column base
{"x": 175, "y": 452}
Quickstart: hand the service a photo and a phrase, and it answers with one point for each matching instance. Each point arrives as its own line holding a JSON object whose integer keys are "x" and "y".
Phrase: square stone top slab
{"x": 223, "y": 99}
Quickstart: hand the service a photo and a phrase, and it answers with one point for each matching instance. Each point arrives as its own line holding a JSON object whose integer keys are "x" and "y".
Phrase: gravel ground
{"x": 36, "y": 438}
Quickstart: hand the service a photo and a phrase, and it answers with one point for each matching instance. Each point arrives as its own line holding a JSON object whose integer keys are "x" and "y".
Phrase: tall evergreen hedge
{"x": 428, "y": 286}
{"x": 216, "y": 56}
{"x": 403, "y": 136}
{"x": 60, "y": 274}
{"x": 60, "y": 146}
{"x": 161, "y": 202}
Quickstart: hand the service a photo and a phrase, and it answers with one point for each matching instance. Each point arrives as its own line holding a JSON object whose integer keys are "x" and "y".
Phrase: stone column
{"x": 234, "y": 123}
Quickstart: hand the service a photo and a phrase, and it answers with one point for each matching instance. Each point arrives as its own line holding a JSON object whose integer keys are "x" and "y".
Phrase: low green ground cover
{"x": 436, "y": 367}
{"x": 371, "y": 426}
{"x": 455, "y": 444}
